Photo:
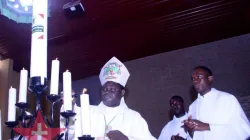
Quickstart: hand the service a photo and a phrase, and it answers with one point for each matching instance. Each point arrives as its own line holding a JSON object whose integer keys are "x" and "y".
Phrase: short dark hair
{"x": 177, "y": 98}
{"x": 205, "y": 69}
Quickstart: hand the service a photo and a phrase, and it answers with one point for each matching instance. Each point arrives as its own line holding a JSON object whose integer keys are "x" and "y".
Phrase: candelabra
{"x": 37, "y": 86}
{"x": 67, "y": 114}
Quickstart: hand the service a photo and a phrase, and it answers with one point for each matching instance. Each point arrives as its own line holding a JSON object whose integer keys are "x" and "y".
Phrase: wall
{"x": 93, "y": 85}
{"x": 8, "y": 78}
{"x": 155, "y": 79}
{"x": 5, "y": 82}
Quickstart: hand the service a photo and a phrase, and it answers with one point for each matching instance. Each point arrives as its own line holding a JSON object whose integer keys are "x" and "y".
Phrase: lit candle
{"x": 38, "y": 66}
{"x": 54, "y": 77}
{"x": 67, "y": 89}
{"x": 85, "y": 114}
{"x": 23, "y": 86}
{"x": 12, "y": 107}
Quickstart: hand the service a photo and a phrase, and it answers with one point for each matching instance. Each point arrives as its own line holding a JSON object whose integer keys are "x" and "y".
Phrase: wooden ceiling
{"x": 128, "y": 29}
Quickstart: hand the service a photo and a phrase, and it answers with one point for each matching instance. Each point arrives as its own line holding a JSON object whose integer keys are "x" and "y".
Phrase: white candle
{"x": 54, "y": 81}
{"x": 85, "y": 114}
{"x": 38, "y": 66}
{"x": 67, "y": 88}
{"x": 23, "y": 86}
{"x": 12, "y": 107}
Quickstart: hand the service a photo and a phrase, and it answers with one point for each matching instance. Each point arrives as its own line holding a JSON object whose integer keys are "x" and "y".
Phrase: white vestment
{"x": 174, "y": 127}
{"x": 127, "y": 121}
{"x": 224, "y": 115}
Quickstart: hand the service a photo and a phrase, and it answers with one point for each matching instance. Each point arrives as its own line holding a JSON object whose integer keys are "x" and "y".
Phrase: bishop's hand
{"x": 177, "y": 137}
{"x": 116, "y": 135}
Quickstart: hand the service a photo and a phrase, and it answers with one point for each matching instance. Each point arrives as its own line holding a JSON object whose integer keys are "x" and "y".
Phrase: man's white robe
{"x": 224, "y": 115}
{"x": 174, "y": 127}
{"x": 128, "y": 121}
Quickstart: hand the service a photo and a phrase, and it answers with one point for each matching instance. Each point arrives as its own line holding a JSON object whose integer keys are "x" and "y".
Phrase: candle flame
{"x": 11, "y": 87}
{"x": 67, "y": 70}
{"x": 84, "y": 91}
{"x": 56, "y": 58}
{"x": 23, "y": 68}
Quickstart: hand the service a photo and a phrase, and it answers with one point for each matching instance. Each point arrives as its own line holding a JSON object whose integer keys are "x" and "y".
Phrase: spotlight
{"x": 16, "y": 6}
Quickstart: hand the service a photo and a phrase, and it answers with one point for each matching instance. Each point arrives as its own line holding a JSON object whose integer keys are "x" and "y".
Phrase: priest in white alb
{"x": 214, "y": 115}
{"x": 112, "y": 119}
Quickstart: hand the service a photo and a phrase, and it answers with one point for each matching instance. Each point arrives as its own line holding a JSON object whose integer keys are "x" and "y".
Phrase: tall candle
{"x": 85, "y": 114}
{"x": 54, "y": 83}
{"x": 67, "y": 88}
{"x": 38, "y": 66}
{"x": 23, "y": 86}
{"x": 12, "y": 107}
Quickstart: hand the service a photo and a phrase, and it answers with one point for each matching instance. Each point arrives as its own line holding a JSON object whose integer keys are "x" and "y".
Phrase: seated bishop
{"x": 112, "y": 119}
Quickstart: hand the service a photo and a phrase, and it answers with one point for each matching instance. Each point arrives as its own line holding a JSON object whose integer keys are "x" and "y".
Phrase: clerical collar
{"x": 207, "y": 95}
{"x": 111, "y": 109}
{"x": 180, "y": 119}
{"x": 120, "y": 109}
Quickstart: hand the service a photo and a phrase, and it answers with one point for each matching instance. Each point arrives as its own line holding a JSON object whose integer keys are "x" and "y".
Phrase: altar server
{"x": 174, "y": 129}
{"x": 215, "y": 115}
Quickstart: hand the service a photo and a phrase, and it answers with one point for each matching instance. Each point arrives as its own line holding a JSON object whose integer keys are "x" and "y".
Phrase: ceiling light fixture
{"x": 16, "y": 6}
{"x": 25, "y": 3}
{"x": 18, "y": 10}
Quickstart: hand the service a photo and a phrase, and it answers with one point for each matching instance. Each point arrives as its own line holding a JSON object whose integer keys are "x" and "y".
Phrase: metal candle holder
{"x": 23, "y": 106}
{"x": 67, "y": 115}
{"x": 53, "y": 98}
{"x": 11, "y": 125}
{"x": 37, "y": 86}
{"x": 86, "y": 137}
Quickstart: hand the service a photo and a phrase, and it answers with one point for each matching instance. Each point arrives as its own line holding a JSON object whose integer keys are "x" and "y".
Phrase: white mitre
{"x": 114, "y": 70}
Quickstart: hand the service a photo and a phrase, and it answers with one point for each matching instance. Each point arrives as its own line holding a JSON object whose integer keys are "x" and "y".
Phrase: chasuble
{"x": 104, "y": 119}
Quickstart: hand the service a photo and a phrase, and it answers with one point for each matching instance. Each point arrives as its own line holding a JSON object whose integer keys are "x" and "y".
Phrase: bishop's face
{"x": 111, "y": 94}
